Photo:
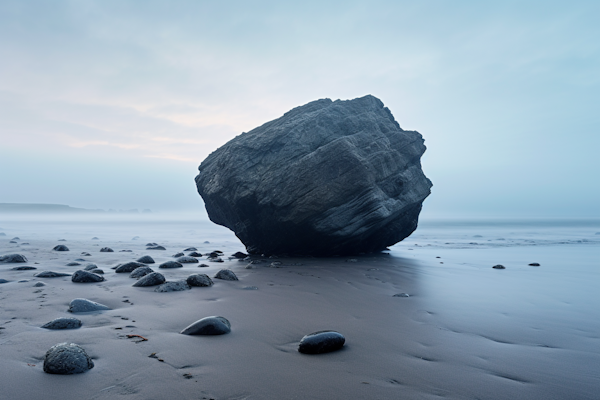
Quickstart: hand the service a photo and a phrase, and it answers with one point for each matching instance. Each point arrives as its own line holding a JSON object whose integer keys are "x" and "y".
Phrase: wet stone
{"x": 156, "y": 248}
{"x": 191, "y": 249}
{"x": 194, "y": 254}
{"x": 170, "y": 264}
{"x": 208, "y": 326}
{"x": 199, "y": 280}
{"x": 239, "y": 254}
{"x": 85, "y": 254}
{"x": 534, "y": 264}
{"x": 187, "y": 260}
{"x": 73, "y": 264}
{"x": 128, "y": 267}
{"x": 498, "y": 266}
{"x": 177, "y": 255}
{"x": 97, "y": 271}
{"x": 39, "y": 284}
{"x": 85, "y": 305}
{"x": 63, "y": 323}
{"x": 23, "y": 268}
{"x": 3, "y": 280}
{"x": 151, "y": 279}
{"x": 67, "y": 359}
{"x": 321, "y": 342}
{"x": 174, "y": 286}
{"x": 60, "y": 247}
{"x": 401, "y": 295}
{"x": 203, "y": 266}
{"x": 226, "y": 275}
{"x": 141, "y": 271}
{"x": 50, "y": 274}
{"x": 151, "y": 244}
{"x": 82, "y": 276}
{"x": 13, "y": 258}
{"x": 90, "y": 267}
{"x": 146, "y": 260}
{"x": 106, "y": 250}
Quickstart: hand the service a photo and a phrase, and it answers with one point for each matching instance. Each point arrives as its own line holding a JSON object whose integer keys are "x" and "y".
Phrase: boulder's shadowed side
{"x": 327, "y": 178}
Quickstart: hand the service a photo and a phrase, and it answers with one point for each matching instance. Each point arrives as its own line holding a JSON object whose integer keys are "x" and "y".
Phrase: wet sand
{"x": 466, "y": 331}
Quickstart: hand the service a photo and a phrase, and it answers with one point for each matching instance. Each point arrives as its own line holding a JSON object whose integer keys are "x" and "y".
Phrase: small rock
{"x": 250, "y": 288}
{"x": 97, "y": 271}
{"x": 39, "y": 284}
{"x": 141, "y": 271}
{"x": 199, "y": 280}
{"x": 135, "y": 238}
{"x": 214, "y": 259}
{"x": 146, "y": 260}
{"x": 50, "y": 274}
{"x": 208, "y": 326}
{"x": 79, "y": 260}
{"x": 151, "y": 279}
{"x": 321, "y": 342}
{"x": 85, "y": 254}
{"x": 106, "y": 250}
{"x": 226, "y": 275}
{"x": 128, "y": 267}
{"x": 85, "y": 305}
{"x": 95, "y": 238}
{"x": 534, "y": 264}
{"x": 175, "y": 286}
{"x": 16, "y": 238}
{"x": 125, "y": 251}
{"x": 90, "y": 267}
{"x": 63, "y": 323}
{"x": 73, "y": 264}
{"x": 187, "y": 260}
{"x": 203, "y": 266}
{"x": 239, "y": 254}
{"x": 13, "y": 258}
{"x": 82, "y": 276}
{"x": 178, "y": 255}
{"x": 3, "y": 280}
{"x": 195, "y": 254}
{"x": 191, "y": 249}
{"x": 401, "y": 295}
{"x": 23, "y": 268}
{"x": 13, "y": 241}
{"x": 498, "y": 266}
{"x": 206, "y": 242}
{"x": 62, "y": 240}
{"x": 60, "y": 247}
{"x": 151, "y": 244}
{"x": 67, "y": 359}
{"x": 156, "y": 248}
{"x": 170, "y": 264}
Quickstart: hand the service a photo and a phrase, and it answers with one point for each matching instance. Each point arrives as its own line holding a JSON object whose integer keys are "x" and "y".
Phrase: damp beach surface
{"x": 428, "y": 319}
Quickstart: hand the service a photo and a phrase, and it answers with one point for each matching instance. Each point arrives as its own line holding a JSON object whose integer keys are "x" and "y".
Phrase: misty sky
{"x": 113, "y": 104}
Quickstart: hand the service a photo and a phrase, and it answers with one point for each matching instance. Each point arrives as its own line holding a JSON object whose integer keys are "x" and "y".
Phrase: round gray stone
{"x": 175, "y": 286}
{"x": 60, "y": 247}
{"x": 63, "y": 323}
{"x": 226, "y": 275}
{"x": 146, "y": 260}
{"x": 23, "y": 268}
{"x": 151, "y": 279}
{"x": 187, "y": 259}
{"x": 85, "y": 305}
{"x": 13, "y": 258}
{"x": 201, "y": 280}
{"x": 321, "y": 342}
{"x": 82, "y": 276}
{"x": 106, "y": 250}
{"x": 50, "y": 274}
{"x": 67, "y": 359}
{"x": 129, "y": 267}
{"x": 208, "y": 326}
{"x": 170, "y": 264}
{"x": 90, "y": 267}
{"x": 141, "y": 271}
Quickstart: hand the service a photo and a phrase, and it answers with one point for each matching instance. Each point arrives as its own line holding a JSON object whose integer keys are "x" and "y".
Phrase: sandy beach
{"x": 465, "y": 331}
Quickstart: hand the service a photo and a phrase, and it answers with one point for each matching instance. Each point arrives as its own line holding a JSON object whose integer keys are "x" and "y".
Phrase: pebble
{"x": 73, "y": 264}
{"x": 239, "y": 254}
{"x": 135, "y": 238}
{"x": 156, "y": 248}
{"x": 401, "y": 295}
{"x": 13, "y": 258}
{"x": 39, "y": 284}
{"x": 534, "y": 264}
{"x": 208, "y": 326}
{"x": 106, "y": 250}
{"x": 63, "y": 323}
{"x": 177, "y": 255}
{"x": 50, "y": 274}
{"x": 141, "y": 271}
{"x": 151, "y": 244}
{"x": 195, "y": 254}
{"x": 85, "y": 254}
{"x": 85, "y": 305}
{"x": 90, "y": 267}
{"x": 250, "y": 288}
{"x": 95, "y": 238}
{"x": 97, "y": 271}
{"x": 82, "y": 276}
{"x": 128, "y": 267}
{"x": 498, "y": 266}
{"x": 80, "y": 260}
{"x": 214, "y": 259}
{"x": 67, "y": 359}
{"x": 321, "y": 342}
{"x": 23, "y": 268}
{"x": 146, "y": 260}
{"x": 151, "y": 279}
{"x": 60, "y": 247}
{"x": 175, "y": 286}
{"x": 3, "y": 280}
{"x": 226, "y": 275}
{"x": 187, "y": 259}
{"x": 203, "y": 266}
{"x": 170, "y": 264}
{"x": 199, "y": 280}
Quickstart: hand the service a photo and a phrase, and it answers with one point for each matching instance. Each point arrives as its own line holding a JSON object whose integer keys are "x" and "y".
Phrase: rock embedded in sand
{"x": 141, "y": 271}
{"x": 203, "y": 266}
{"x": 50, "y": 274}
{"x": 226, "y": 275}
{"x": 106, "y": 250}
{"x": 13, "y": 258}
{"x": 97, "y": 271}
{"x": 3, "y": 280}
{"x": 499, "y": 266}
{"x": 321, "y": 342}
{"x": 39, "y": 284}
{"x": 151, "y": 279}
{"x": 208, "y": 326}
{"x": 187, "y": 260}
{"x": 85, "y": 254}
{"x": 199, "y": 280}
{"x": 85, "y": 305}
{"x": 82, "y": 276}
{"x": 146, "y": 260}
{"x": 129, "y": 267}
{"x": 170, "y": 264}
{"x": 239, "y": 254}
{"x": 195, "y": 254}
{"x": 190, "y": 249}
{"x": 156, "y": 248}
{"x": 67, "y": 359}
{"x": 327, "y": 178}
{"x": 90, "y": 267}
{"x": 180, "y": 254}
{"x": 175, "y": 286}
{"x": 534, "y": 264}
{"x": 401, "y": 295}
{"x": 73, "y": 264}
{"x": 23, "y": 268}
{"x": 60, "y": 247}
{"x": 63, "y": 323}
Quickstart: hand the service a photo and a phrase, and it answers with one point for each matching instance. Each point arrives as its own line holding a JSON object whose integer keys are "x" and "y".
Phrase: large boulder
{"x": 327, "y": 178}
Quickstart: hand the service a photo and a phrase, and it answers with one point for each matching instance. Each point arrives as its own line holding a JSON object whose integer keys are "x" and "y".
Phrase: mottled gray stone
{"x": 97, "y": 271}
{"x": 141, "y": 271}
{"x": 226, "y": 275}
{"x": 194, "y": 254}
{"x": 50, "y": 274}
{"x": 174, "y": 286}
{"x": 13, "y": 258}
{"x": 73, "y": 264}
{"x": 208, "y": 326}
{"x": 177, "y": 255}
{"x": 90, "y": 267}
{"x": 499, "y": 266}
{"x": 67, "y": 359}
{"x": 155, "y": 248}
{"x": 106, "y": 250}
{"x": 146, "y": 260}
{"x": 63, "y": 323}
{"x": 170, "y": 264}
{"x": 151, "y": 279}
{"x": 128, "y": 267}
{"x": 321, "y": 342}
{"x": 201, "y": 280}
{"x": 60, "y": 247}
{"x": 82, "y": 276}
{"x": 187, "y": 260}
{"x": 39, "y": 284}
{"x": 85, "y": 305}
{"x": 85, "y": 254}
{"x": 191, "y": 249}
{"x": 3, "y": 280}
{"x": 23, "y": 268}
{"x": 327, "y": 178}
{"x": 239, "y": 254}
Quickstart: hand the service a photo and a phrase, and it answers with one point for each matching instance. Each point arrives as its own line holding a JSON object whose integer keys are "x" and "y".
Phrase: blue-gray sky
{"x": 113, "y": 104}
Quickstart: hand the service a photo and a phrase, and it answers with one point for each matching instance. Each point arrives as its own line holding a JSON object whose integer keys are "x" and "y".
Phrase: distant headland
{"x": 33, "y": 208}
